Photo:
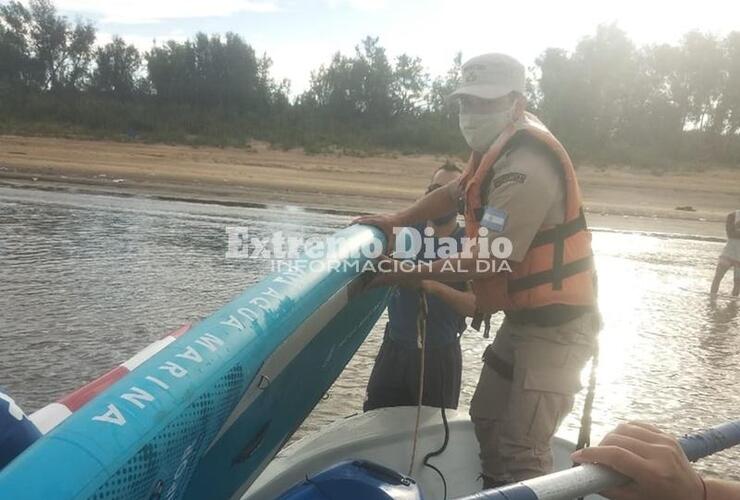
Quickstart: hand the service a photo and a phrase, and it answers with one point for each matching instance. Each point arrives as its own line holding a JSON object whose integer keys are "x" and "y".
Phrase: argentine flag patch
{"x": 494, "y": 219}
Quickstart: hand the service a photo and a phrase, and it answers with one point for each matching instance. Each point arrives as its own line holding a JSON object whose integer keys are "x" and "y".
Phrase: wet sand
{"x": 615, "y": 197}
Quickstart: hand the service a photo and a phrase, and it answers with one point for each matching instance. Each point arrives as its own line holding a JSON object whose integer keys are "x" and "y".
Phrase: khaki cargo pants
{"x": 516, "y": 414}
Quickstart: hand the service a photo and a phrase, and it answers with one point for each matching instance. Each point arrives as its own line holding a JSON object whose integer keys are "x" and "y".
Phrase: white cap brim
{"x": 481, "y": 91}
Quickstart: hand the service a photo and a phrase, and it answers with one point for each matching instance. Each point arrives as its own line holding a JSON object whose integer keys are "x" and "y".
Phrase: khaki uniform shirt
{"x": 527, "y": 189}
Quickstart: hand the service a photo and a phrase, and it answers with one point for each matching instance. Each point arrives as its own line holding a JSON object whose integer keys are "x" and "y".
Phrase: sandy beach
{"x": 615, "y": 197}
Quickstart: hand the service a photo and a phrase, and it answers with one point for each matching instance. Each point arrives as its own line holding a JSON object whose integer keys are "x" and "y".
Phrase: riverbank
{"x": 616, "y": 197}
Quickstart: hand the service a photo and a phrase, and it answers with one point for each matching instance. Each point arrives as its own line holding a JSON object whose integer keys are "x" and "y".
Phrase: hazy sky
{"x": 300, "y": 35}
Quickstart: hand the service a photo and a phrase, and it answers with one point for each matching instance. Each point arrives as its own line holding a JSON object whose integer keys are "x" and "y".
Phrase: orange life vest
{"x": 558, "y": 267}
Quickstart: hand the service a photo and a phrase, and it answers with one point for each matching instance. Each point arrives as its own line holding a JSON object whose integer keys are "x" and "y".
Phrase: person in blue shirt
{"x": 394, "y": 380}
{"x": 17, "y": 432}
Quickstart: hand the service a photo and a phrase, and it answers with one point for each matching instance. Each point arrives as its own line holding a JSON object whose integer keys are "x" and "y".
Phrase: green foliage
{"x": 607, "y": 100}
{"x": 610, "y": 101}
{"x": 207, "y": 72}
{"x": 45, "y": 51}
{"x": 116, "y": 67}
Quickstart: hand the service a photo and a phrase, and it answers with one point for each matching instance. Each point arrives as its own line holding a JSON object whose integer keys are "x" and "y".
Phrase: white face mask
{"x": 480, "y": 130}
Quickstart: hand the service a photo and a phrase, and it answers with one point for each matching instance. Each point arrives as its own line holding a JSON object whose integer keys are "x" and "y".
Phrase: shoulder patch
{"x": 509, "y": 178}
{"x": 494, "y": 219}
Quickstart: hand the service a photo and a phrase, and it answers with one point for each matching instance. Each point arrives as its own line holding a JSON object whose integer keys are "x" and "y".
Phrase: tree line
{"x": 608, "y": 99}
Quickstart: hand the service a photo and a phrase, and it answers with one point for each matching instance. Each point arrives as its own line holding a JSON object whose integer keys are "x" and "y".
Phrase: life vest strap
{"x": 554, "y": 234}
{"x": 548, "y": 316}
{"x": 560, "y": 232}
{"x": 484, "y": 319}
{"x": 551, "y": 275}
{"x": 504, "y": 369}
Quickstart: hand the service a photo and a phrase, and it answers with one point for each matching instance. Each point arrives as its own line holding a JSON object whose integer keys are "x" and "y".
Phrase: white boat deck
{"x": 385, "y": 436}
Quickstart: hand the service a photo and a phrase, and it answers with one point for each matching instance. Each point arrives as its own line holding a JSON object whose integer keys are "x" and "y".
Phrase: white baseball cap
{"x": 490, "y": 76}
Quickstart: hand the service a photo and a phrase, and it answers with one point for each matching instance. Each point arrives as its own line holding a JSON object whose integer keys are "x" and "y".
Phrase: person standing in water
{"x": 730, "y": 255}
{"x": 394, "y": 380}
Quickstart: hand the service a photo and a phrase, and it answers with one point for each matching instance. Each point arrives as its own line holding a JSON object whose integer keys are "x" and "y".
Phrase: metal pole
{"x": 589, "y": 479}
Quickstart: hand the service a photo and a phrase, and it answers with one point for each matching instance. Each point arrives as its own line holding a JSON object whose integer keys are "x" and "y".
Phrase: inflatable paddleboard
{"x": 203, "y": 411}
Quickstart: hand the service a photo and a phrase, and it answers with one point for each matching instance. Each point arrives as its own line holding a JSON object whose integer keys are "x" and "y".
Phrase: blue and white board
{"x": 203, "y": 416}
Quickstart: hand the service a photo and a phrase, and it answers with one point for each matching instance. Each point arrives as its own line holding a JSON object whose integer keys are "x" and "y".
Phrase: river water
{"x": 87, "y": 280}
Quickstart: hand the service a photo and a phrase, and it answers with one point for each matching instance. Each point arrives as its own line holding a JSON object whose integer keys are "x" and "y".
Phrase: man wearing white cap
{"x": 520, "y": 186}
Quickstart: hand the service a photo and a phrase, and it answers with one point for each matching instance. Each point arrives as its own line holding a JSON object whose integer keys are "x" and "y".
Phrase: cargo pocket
{"x": 553, "y": 380}
{"x": 490, "y": 397}
{"x": 539, "y": 404}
